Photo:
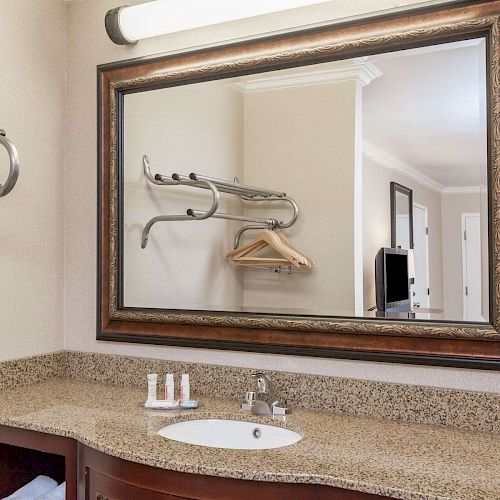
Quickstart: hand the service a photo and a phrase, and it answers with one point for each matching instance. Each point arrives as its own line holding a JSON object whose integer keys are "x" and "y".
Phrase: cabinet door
{"x": 102, "y": 477}
{"x": 101, "y": 487}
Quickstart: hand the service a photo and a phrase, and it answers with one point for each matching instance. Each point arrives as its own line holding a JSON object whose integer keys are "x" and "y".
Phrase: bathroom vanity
{"x": 94, "y": 474}
{"x": 105, "y": 444}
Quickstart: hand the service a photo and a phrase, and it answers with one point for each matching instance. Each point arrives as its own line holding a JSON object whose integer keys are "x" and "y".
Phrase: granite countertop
{"x": 396, "y": 459}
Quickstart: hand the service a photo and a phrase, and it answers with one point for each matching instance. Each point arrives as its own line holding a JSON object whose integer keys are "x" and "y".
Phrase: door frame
{"x": 428, "y": 277}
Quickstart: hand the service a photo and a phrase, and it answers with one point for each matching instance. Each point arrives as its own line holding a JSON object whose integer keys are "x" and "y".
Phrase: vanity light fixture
{"x": 128, "y": 24}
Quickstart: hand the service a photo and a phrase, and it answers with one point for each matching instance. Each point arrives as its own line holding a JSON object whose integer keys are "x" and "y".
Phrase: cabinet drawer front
{"x": 101, "y": 487}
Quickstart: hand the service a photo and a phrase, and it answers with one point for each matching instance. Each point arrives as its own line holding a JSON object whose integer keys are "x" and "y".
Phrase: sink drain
{"x": 256, "y": 433}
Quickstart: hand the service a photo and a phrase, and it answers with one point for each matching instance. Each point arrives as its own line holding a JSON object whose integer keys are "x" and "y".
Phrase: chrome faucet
{"x": 263, "y": 401}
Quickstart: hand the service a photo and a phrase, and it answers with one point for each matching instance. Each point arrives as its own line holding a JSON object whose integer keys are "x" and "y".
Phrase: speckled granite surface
{"x": 398, "y": 459}
{"x": 463, "y": 409}
{"x": 32, "y": 370}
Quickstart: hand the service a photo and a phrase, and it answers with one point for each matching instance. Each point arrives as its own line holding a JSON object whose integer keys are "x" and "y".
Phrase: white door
{"x": 421, "y": 290}
{"x": 471, "y": 263}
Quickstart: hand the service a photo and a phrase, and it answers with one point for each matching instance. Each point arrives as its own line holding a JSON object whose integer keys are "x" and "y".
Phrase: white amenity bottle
{"x": 169, "y": 387}
{"x": 185, "y": 391}
{"x": 152, "y": 380}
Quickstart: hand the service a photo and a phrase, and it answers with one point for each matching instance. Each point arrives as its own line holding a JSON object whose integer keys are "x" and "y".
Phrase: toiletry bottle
{"x": 185, "y": 387}
{"x": 152, "y": 380}
{"x": 169, "y": 387}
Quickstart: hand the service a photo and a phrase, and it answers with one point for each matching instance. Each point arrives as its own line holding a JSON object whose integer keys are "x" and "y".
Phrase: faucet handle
{"x": 281, "y": 409}
{"x": 249, "y": 402}
{"x": 250, "y": 397}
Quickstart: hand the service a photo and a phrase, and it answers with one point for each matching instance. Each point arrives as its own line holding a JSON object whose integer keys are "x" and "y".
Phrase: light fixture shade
{"x": 128, "y": 24}
{"x": 112, "y": 24}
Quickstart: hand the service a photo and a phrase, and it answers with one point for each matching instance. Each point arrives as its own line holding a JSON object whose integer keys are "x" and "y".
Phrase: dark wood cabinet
{"x": 109, "y": 478}
{"x": 92, "y": 475}
{"x": 25, "y": 455}
{"x": 102, "y": 487}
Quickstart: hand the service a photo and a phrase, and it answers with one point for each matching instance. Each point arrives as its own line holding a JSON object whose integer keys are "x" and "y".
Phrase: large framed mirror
{"x": 243, "y": 192}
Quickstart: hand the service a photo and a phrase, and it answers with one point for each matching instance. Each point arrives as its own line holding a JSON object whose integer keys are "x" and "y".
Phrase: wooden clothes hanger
{"x": 309, "y": 262}
{"x": 245, "y": 255}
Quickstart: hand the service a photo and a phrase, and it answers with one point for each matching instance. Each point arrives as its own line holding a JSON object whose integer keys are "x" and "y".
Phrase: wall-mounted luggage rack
{"x": 217, "y": 186}
{"x": 6, "y": 188}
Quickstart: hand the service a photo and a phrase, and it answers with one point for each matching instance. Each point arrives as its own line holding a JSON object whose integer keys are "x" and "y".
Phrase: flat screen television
{"x": 391, "y": 280}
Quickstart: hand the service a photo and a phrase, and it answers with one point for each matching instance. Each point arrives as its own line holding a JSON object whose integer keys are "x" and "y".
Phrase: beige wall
{"x": 88, "y": 46}
{"x": 309, "y": 154}
{"x": 176, "y": 128}
{"x": 290, "y": 144}
{"x": 377, "y": 225}
{"x": 377, "y": 222}
{"x": 32, "y": 80}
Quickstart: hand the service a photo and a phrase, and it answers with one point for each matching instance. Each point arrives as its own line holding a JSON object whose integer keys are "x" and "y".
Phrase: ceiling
{"x": 427, "y": 112}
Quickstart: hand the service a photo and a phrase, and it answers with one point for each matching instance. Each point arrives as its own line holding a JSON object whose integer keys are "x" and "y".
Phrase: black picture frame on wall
{"x": 398, "y": 188}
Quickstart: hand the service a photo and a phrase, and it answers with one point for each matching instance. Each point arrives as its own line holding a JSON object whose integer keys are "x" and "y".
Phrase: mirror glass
{"x": 306, "y": 157}
{"x": 401, "y": 216}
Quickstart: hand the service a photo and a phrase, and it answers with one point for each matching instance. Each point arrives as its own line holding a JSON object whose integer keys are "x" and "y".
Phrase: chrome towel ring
{"x": 14, "y": 164}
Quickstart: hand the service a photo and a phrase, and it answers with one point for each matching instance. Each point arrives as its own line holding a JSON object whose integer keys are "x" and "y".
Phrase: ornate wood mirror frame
{"x": 453, "y": 344}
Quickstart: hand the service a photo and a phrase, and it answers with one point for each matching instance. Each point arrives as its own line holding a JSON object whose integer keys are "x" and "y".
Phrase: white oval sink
{"x": 230, "y": 434}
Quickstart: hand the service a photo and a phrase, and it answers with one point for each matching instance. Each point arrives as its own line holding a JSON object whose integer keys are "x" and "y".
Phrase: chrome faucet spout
{"x": 265, "y": 390}
{"x": 263, "y": 401}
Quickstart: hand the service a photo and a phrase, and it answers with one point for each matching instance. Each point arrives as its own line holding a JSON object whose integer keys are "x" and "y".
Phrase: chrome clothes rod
{"x": 217, "y": 186}
{"x": 6, "y": 188}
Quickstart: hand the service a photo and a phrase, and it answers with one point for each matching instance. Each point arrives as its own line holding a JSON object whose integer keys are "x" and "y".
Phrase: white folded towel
{"x": 58, "y": 493}
{"x": 37, "y": 487}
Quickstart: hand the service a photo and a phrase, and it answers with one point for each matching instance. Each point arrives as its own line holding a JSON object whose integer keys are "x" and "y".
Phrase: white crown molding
{"x": 358, "y": 70}
{"x": 385, "y": 159}
{"x": 465, "y": 190}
